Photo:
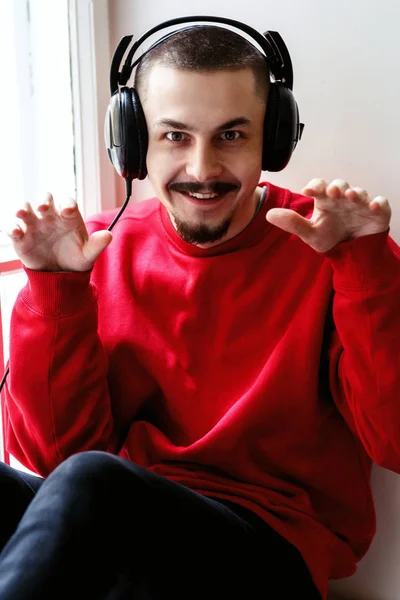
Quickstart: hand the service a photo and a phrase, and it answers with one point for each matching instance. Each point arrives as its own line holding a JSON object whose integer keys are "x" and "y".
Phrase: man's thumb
{"x": 97, "y": 242}
{"x": 290, "y": 221}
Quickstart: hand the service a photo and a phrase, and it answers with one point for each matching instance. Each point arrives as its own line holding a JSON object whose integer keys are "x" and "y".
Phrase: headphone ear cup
{"x": 125, "y": 134}
{"x": 281, "y": 127}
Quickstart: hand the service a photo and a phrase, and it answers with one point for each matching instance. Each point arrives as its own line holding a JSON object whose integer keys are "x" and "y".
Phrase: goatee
{"x": 201, "y": 234}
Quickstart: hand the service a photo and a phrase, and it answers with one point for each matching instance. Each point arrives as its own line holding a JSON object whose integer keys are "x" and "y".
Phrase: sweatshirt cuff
{"x": 363, "y": 263}
{"x": 56, "y": 294}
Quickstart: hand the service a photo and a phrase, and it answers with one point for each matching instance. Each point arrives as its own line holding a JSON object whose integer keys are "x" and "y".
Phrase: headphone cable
{"x": 4, "y": 378}
{"x": 128, "y": 186}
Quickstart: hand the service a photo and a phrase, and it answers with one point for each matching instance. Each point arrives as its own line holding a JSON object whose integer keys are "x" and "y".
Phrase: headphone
{"x": 125, "y": 129}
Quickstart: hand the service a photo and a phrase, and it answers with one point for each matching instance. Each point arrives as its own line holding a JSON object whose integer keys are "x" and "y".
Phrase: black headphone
{"x": 125, "y": 127}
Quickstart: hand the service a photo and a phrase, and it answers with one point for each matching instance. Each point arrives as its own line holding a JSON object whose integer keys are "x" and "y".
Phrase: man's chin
{"x": 200, "y": 233}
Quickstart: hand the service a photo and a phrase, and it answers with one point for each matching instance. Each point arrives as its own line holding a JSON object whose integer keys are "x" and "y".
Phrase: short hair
{"x": 206, "y": 48}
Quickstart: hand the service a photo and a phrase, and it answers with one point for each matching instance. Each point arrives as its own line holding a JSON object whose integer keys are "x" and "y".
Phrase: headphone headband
{"x": 273, "y": 46}
{"x": 125, "y": 127}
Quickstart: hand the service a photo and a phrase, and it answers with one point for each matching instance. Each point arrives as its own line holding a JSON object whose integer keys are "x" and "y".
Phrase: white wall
{"x": 346, "y": 59}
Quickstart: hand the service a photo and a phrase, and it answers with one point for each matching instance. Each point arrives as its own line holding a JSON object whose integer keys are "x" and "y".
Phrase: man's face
{"x": 205, "y": 149}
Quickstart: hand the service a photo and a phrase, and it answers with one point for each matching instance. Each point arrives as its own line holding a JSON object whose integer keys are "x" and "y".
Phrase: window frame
{"x": 95, "y": 176}
{"x": 90, "y": 63}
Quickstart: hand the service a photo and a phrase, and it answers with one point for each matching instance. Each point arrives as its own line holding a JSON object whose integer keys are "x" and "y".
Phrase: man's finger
{"x": 337, "y": 188}
{"x": 97, "y": 242}
{"x": 290, "y": 221}
{"x": 357, "y": 194}
{"x": 26, "y": 213}
{"x": 46, "y": 206}
{"x": 315, "y": 188}
{"x": 15, "y": 232}
{"x": 69, "y": 208}
{"x": 380, "y": 203}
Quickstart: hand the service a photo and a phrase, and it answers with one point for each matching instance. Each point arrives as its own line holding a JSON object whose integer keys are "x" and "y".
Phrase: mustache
{"x": 216, "y": 187}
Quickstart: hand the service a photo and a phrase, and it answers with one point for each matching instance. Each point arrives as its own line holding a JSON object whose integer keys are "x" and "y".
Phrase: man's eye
{"x": 230, "y": 136}
{"x": 175, "y": 136}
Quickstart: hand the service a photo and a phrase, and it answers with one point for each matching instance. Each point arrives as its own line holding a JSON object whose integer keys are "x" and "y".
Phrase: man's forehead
{"x": 193, "y": 98}
{"x": 173, "y": 78}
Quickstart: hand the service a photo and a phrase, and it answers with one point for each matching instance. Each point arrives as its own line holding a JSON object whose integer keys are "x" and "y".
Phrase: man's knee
{"x": 98, "y": 474}
{"x": 100, "y": 490}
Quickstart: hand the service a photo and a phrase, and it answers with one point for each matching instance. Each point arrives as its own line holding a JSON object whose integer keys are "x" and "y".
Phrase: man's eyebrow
{"x": 234, "y": 123}
{"x": 171, "y": 123}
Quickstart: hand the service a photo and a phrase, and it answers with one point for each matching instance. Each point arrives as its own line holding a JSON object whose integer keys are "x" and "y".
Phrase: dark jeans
{"x": 100, "y": 527}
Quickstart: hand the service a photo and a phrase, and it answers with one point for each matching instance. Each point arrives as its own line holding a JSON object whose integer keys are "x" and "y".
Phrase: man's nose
{"x": 203, "y": 162}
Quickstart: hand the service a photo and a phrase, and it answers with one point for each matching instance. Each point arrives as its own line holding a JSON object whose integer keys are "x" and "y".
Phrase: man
{"x": 236, "y": 346}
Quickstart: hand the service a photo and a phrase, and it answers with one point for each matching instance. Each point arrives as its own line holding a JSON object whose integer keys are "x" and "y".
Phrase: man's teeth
{"x": 203, "y": 196}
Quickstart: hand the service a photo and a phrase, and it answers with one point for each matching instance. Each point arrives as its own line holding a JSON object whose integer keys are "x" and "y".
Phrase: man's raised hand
{"x": 341, "y": 213}
{"x": 51, "y": 239}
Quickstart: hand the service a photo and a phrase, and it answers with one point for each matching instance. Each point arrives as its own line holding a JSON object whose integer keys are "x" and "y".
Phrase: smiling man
{"x": 210, "y": 389}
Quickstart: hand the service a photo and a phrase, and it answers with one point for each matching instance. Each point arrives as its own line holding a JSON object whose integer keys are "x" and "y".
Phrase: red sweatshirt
{"x": 258, "y": 371}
